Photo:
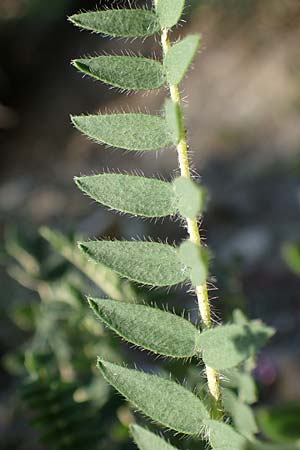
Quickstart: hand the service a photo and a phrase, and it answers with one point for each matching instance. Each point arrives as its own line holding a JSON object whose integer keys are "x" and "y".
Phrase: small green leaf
{"x": 127, "y": 131}
{"x": 108, "y": 281}
{"x": 190, "y": 197}
{"x": 196, "y": 259}
{"x": 224, "y": 437}
{"x": 243, "y": 382}
{"x": 242, "y": 415}
{"x": 227, "y": 346}
{"x": 119, "y": 22}
{"x": 173, "y": 119}
{"x": 258, "y": 334}
{"x": 247, "y": 388}
{"x": 179, "y": 58}
{"x": 164, "y": 401}
{"x": 239, "y": 317}
{"x": 125, "y": 72}
{"x": 149, "y": 263}
{"x": 169, "y": 12}
{"x": 155, "y": 330}
{"x": 145, "y": 440}
{"x": 140, "y": 196}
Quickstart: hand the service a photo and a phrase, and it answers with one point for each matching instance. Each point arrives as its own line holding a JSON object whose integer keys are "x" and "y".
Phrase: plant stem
{"x": 213, "y": 378}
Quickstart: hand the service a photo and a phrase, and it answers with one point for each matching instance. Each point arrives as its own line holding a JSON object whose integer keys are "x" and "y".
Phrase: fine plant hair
{"x": 218, "y": 415}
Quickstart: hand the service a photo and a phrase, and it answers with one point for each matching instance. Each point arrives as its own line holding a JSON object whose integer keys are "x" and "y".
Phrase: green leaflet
{"x": 243, "y": 382}
{"x": 148, "y": 263}
{"x": 140, "y": 196}
{"x": 125, "y": 23}
{"x": 127, "y": 131}
{"x": 125, "y": 72}
{"x": 169, "y": 12}
{"x": 224, "y": 437}
{"x": 179, "y": 58}
{"x": 164, "y": 401}
{"x": 173, "y": 119}
{"x": 242, "y": 415}
{"x": 228, "y": 345}
{"x": 145, "y": 440}
{"x": 258, "y": 334}
{"x": 246, "y": 388}
{"x": 196, "y": 258}
{"x": 151, "y": 328}
{"x": 190, "y": 197}
{"x": 108, "y": 281}
{"x": 239, "y": 317}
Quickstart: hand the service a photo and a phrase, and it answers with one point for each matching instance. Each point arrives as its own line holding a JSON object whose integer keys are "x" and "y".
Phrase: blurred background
{"x": 242, "y": 106}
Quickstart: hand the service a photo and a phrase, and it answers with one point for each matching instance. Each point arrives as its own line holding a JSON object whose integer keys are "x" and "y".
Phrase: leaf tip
{"x": 102, "y": 365}
{"x": 80, "y": 64}
{"x": 83, "y": 246}
{"x": 74, "y": 62}
{"x": 99, "y": 363}
{"x": 77, "y": 121}
{"x": 74, "y": 119}
{"x": 78, "y": 181}
{"x": 74, "y": 19}
{"x": 92, "y": 303}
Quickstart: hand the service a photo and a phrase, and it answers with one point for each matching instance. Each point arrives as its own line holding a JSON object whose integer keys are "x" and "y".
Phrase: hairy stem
{"x": 213, "y": 378}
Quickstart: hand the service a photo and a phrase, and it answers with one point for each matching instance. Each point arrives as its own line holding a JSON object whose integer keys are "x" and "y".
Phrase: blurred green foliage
{"x": 55, "y": 364}
{"x": 291, "y": 255}
{"x": 280, "y": 423}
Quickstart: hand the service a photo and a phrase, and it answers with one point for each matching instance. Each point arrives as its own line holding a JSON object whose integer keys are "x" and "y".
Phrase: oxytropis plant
{"x": 218, "y": 415}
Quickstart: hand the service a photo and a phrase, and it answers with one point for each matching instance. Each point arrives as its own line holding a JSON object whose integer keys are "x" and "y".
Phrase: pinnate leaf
{"x": 164, "y": 401}
{"x": 224, "y": 437}
{"x": 149, "y": 263}
{"x": 140, "y": 196}
{"x": 127, "y": 131}
{"x": 228, "y": 345}
{"x": 179, "y": 58}
{"x": 125, "y": 72}
{"x": 119, "y": 22}
{"x": 145, "y": 440}
{"x": 159, "y": 331}
{"x": 169, "y": 12}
